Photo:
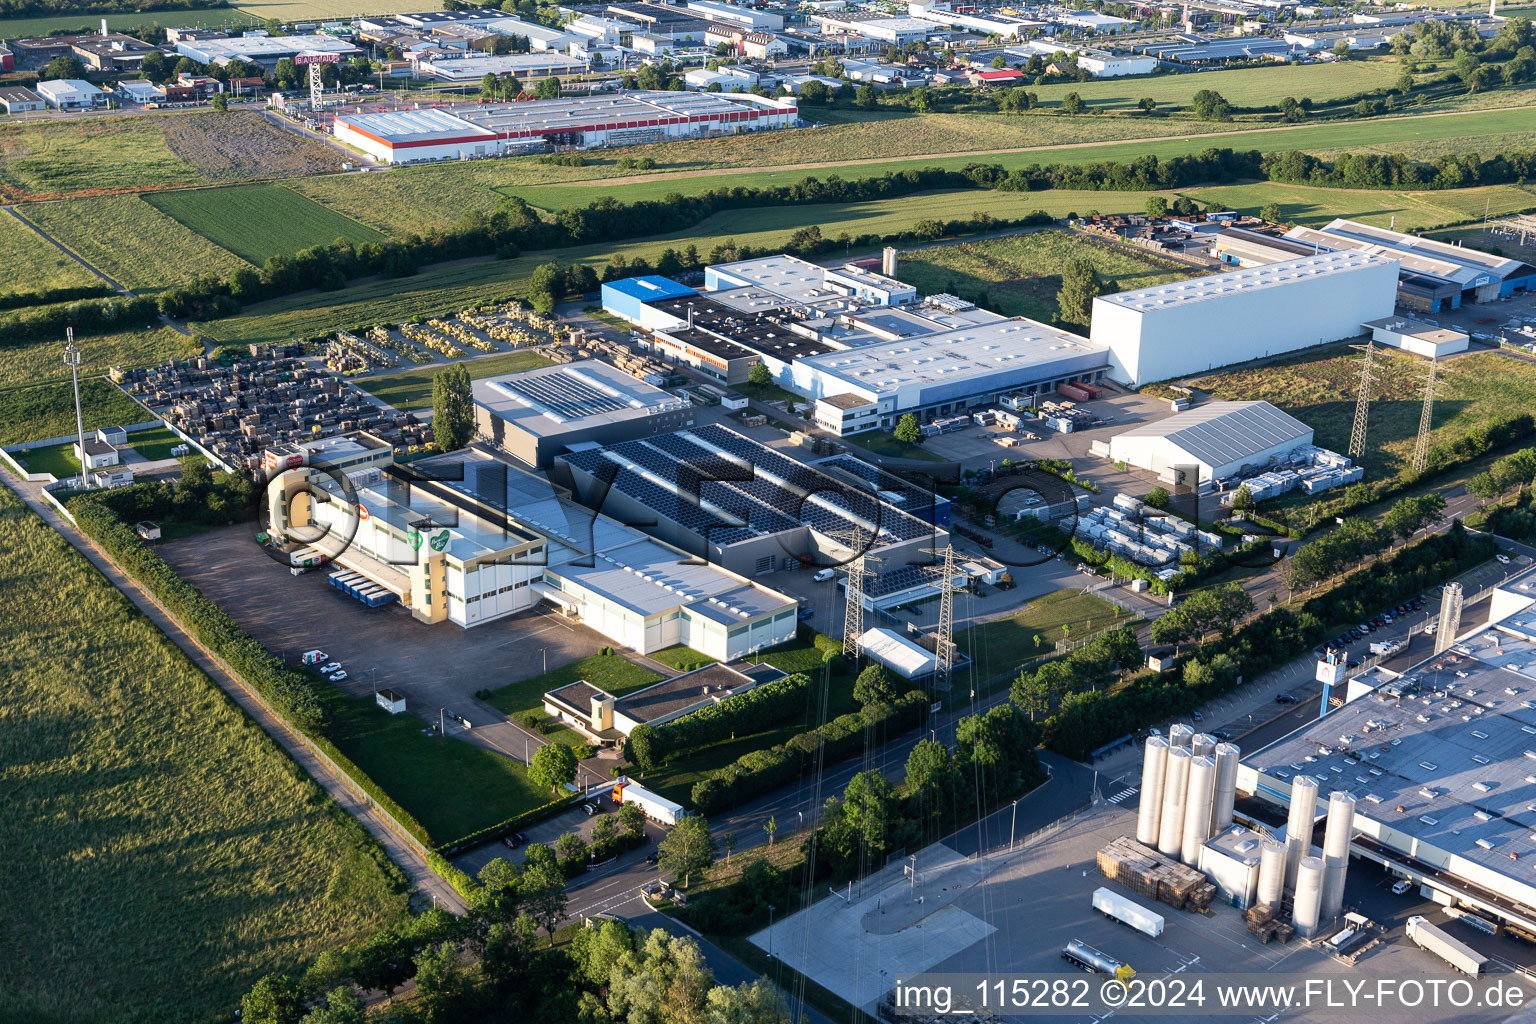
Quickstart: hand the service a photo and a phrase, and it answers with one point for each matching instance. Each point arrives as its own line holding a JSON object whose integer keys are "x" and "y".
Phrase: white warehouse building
{"x": 1224, "y": 439}
{"x": 1193, "y": 326}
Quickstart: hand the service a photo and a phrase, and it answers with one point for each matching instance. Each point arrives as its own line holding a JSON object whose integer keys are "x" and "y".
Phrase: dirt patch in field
{"x": 241, "y": 144}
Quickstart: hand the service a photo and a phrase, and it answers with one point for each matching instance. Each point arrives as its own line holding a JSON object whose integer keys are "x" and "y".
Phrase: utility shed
{"x": 1223, "y": 439}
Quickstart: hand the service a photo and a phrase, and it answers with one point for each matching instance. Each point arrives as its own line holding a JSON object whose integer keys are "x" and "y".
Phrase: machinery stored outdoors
{"x": 1084, "y": 956}
{"x": 1454, "y": 952}
{"x": 1146, "y": 872}
{"x": 1123, "y": 910}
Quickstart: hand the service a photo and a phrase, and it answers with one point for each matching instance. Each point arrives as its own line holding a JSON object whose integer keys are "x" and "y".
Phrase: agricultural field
{"x": 163, "y": 853}
{"x": 241, "y": 144}
{"x": 257, "y": 222}
{"x": 302, "y": 10}
{"x": 1242, "y": 87}
{"x": 413, "y": 388}
{"x": 1319, "y": 389}
{"x": 48, "y": 410}
{"x": 131, "y": 242}
{"x": 40, "y": 158}
{"x": 1021, "y": 274}
{"x": 33, "y": 362}
{"x": 1413, "y": 211}
{"x": 17, "y": 28}
{"x": 30, "y": 264}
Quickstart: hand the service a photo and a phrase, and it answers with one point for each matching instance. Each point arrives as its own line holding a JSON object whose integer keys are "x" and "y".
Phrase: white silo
{"x": 1309, "y": 897}
{"x": 1149, "y": 816}
{"x": 1180, "y": 735}
{"x": 1170, "y": 831}
{"x": 1197, "y": 808}
{"x": 1271, "y": 871}
{"x": 1336, "y": 836}
{"x": 1298, "y": 825}
{"x": 1203, "y": 743}
{"x": 1227, "y": 756}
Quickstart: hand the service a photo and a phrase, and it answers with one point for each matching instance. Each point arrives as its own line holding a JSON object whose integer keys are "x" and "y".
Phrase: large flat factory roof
{"x": 1452, "y": 765}
{"x": 713, "y": 321}
{"x": 1218, "y": 286}
{"x": 727, "y": 488}
{"x": 948, "y": 356}
{"x": 557, "y": 399}
{"x": 1423, "y": 255}
{"x": 415, "y": 126}
{"x": 1221, "y": 433}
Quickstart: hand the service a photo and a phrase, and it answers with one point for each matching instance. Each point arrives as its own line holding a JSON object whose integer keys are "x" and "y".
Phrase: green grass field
{"x": 1001, "y": 646}
{"x": 162, "y": 852}
{"x": 33, "y": 413}
{"x": 58, "y": 459}
{"x": 29, "y": 263}
{"x": 32, "y": 362}
{"x": 257, "y": 222}
{"x": 1242, "y": 87}
{"x": 48, "y": 157}
{"x": 413, "y": 767}
{"x": 131, "y": 242}
{"x": 155, "y": 443}
{"x": 18, "y": 28}
{"x": 1021, "y": 274}
{"x": 611, "y": 672}
{"x": 1319, "y": 389}
{"x": 1411, "y": 211}
{"x": 301, "y": 10}
{"x": 684, "y": 659}
{"x": 413, "y": 388}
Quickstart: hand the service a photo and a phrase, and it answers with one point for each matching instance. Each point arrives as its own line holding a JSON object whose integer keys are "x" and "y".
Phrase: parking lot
{"x": 976, "y": 447}
{"x": 434, "y": 667}
{"x": 1482, "y": 320}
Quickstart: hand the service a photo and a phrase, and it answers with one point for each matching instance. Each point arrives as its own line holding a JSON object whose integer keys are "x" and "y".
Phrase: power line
{"x": 1362, "y": 402}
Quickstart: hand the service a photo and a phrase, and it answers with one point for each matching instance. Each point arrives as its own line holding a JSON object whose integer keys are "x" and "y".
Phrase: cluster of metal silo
{"x": 1188, "y": 786}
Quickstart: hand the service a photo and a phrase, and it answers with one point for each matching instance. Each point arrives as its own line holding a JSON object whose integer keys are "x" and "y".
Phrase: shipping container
{"x": 1123, "y": 910}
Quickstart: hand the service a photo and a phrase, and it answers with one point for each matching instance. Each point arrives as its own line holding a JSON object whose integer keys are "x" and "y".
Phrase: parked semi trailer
{"x": 1454, "y": 952}
{"x": 1123, "y": 910}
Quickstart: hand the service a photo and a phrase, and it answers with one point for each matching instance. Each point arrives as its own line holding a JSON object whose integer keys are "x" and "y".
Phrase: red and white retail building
{"x": 585, "y": 122}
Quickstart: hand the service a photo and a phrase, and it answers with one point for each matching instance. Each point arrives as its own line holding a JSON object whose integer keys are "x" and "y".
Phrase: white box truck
{"x": 1456, "y": 953}
{"x": 1388, "y": 647}
{"x": 1123, "y": 910}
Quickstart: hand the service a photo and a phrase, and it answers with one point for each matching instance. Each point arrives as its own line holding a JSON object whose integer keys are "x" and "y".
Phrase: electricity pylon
{"x": 1362, "y": 402}
{"x": 944, "y": 641}
{"x": 1421, "y": 447}
{"x": 863, "y": 565}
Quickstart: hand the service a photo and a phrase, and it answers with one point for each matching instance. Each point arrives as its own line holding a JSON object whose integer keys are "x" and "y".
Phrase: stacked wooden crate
{"x": 1146, "y": 872}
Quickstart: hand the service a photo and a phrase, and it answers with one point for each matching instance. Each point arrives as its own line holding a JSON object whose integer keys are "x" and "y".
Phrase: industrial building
{"x": 495, "y": 129}
{"x": 1193, "y": 326}
{"x": 1417, "y": 337}
{"x": 455, "y": 68}
{"x": 71, "y": 94}
{"x": 1220, "y": 439}
{"x": 1436, "y": 763}
{"x": 1443, "y": 275}
{"x": 17, "y": 100}
{"x": 1098, "y": 63}
{"x": 606, "y": 720}
{"x": 940, "y": 12}
{"x": 466, "y": 538}
{"x": 732, "y": 14}
{"x": 741, "y": 505}
{"x": 256, "y": 47}
{"x": 537, "y": 414}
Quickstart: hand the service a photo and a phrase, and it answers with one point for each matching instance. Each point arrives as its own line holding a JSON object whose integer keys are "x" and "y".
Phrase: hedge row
{"x": 462, "y": 883}
{"x": 504, "y": 828}
{"x": 762, "y": 770}
{"x": 375, "y": 792}
{"x": 15, "y": 300}
{"x": 747, "y": 712}
{"x": 89, "y": 316}
{"x": 289, "y": 692}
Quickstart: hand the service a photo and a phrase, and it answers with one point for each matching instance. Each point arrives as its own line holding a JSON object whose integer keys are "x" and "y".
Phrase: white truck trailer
{"x": 1456, "y": 953}
{"x": 1123, "y": 910}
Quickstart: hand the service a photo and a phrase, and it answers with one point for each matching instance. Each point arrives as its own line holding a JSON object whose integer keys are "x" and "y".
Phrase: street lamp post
{"x": 771, "y": 909}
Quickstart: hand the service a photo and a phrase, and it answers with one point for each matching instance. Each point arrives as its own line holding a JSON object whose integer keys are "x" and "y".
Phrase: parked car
{"x": 338, "y": 676}
{"x": 1503, "y": 559}
{"x": 824, "y": 576}
{"x": 330, "y": 667}
{"x": 590, "y": 808}
{"x": 1197, "y": 716}
{"x": 1220, "y": 734}
{"x": 1430, "y": 627}
{"x": 807, "y": 613}
{"x": 653, "y": 858}
{"x": 510, "y": 842}
{"x": 1402, "y": 887}
{"x": 519, "y": 837}
{"x": 1285, "y": 698}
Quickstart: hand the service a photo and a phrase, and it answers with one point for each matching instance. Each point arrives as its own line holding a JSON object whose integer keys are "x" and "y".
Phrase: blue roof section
{"x": 649, "y": 288}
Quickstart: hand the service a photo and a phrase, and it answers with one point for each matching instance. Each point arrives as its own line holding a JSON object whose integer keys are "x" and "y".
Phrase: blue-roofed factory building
{"x": 629, "y": 297}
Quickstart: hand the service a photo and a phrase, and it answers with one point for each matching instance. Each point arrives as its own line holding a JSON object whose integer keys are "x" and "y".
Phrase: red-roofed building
{"x": 997, "y": 76}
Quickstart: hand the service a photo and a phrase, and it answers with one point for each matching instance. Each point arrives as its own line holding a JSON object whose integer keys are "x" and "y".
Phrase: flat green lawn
{"x": 449, "y": 785}
{"x": 881, "y": 442}
{"x": 1319, "y": 389}
{"x": 31, "y": 362}
{"x": 19, "y": 28}
{"x": 58, "y": 459}
{"x": 39, "y": 158}
{"x": 1242, "y": 87}
{"x": 257, "y": 222}
{"x": 1410, "y": 211}
{"x": 413, "y": 388}
{"x": 1021, "y": 274}
{"x": 31, "y": 264}
{"x": 799, "y": 655}
{"x": 162, "y": 853}
{"x": 684, "y": 659}
{"x": 131, "y": 242}
{"x": 31, "y": 414}
{"x": 155, "y": 443}
{"x": 1001, "y": 646}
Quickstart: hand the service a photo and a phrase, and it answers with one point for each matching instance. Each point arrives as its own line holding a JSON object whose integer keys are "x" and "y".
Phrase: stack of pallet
{"x": 1261, "y": 921}
{"x": 1148, "y": 873}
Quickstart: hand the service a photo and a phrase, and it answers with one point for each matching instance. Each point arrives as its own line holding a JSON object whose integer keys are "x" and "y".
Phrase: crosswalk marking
{"x": 1124, "y": 794}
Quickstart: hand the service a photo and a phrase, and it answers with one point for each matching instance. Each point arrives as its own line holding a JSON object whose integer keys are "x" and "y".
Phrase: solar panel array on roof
{"x": 563, "y": 396}
{"x": 1220, "y": 433}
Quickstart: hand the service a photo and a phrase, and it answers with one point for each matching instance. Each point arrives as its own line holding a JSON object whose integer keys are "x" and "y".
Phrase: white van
{"x": 824, "y": 575}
